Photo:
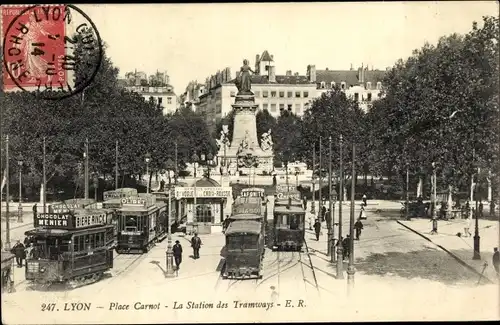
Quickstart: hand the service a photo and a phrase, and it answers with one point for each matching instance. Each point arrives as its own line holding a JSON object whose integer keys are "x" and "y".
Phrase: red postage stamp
{"x": 34, "y": 47}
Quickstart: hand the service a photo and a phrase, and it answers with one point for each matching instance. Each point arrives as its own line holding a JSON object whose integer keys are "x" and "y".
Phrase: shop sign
{"x": 203, "y": 192}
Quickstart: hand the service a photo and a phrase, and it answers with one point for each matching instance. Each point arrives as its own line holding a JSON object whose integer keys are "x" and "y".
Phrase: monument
{"x": 244, "y": 153}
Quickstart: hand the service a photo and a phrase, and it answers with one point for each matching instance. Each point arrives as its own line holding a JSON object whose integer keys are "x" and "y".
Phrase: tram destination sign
{"x": 203, "y": 192}
{"x": 69, "y": 221}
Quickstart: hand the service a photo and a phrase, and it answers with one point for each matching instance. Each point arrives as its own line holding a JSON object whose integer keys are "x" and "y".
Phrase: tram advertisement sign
{"x": 284, "y": 196}
{"x": 69, "y": 221}
{"x": 281, "y": 188}
{"x": 203, "y": 192}
{"x": 245, "y": 209}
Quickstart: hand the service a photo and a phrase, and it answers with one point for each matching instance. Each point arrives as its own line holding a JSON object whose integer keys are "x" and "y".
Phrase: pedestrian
{"x": 492, "y": 208}
{"x": 434, "y": 226}
{"x": 177, "y": 249}
{"x": 323, "y": 213}
{"x": 304, "y": 202}
{"x": 225, "y": 224}
{"x": 467, "y": 224}
{"x": 496, "y": 260}
{"x": 20, "y": 253}
{"x": 310, "y": 219}
{"x": 346, "y": 247}
{"x": 162, "y": 186}
{"x": 34, "y": 211}
{"x": 364, "y": 199}
{"x": 362, "y": 214}
{"x": 358, "y": 226}
{"x": 317, "y": 229}
{"x": 196, "y": 244}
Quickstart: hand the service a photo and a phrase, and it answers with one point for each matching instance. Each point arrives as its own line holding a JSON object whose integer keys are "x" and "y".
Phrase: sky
{"x": 193, "y": 41}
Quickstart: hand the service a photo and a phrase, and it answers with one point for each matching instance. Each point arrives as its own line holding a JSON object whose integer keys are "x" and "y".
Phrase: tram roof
{"x": 290, "y": 209}
{"x": 244, "y": 226}
{"x": 245, "y": 217}
{"x": 61, "y": 232}
{"x": 132, "y": 208}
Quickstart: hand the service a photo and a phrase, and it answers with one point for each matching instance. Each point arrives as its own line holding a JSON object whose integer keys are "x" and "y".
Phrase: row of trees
{"x": 103, "y": 113}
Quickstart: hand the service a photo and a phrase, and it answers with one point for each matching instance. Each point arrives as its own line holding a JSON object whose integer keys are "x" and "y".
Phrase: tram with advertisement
{"x": 288, "y": 220}
{"x": 142, "y": 222}
{"x": 245, "y": 239}
{"x": 70, "y": 246}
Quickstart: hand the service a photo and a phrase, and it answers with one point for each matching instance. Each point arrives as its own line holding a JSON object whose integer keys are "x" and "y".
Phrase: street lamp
{"x": 147, "y": 159}
{"x": 350, "y": 267}
{"x": 477, "y": 254}
{"x": 330, "y": 218}
{"x": 340, "y": 257}
{"x": 433, "y": 203}
{"x": 194, "y": 159}
{"x": 20, "y": 207}
{"x": 169, "y": 253}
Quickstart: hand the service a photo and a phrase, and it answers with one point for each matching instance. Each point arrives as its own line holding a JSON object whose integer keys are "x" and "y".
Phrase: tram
{"x": 288, "y": 227}
{"x": 75, "y": 246}
{"x": 245, "y": 239}
{"x": 142, "y": 222}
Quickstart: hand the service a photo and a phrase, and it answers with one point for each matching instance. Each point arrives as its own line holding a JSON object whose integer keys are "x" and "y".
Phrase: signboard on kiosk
{"x": 203, "y": 192}
{"x": 119, "y": 193}
{"x": 139, "y": 201}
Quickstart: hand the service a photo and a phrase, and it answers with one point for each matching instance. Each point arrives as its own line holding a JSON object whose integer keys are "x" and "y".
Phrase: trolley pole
{"x": 340, "y": 258}
{"x": 170, "y": 254}
{"x": 313, "y": 203}
{"x": 44, "y": 196}
{"x": 329, "y": 224}
{"x": 116, "y": 165}
{"x": 86, "y": 168}
{"x": 350, "y": 267}
{"x": 320, "y": 209}
{"x": 7, "y": 218}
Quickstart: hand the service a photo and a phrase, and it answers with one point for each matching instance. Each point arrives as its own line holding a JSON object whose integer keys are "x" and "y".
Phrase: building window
{"x": 306, "y": 94}
{"x": 233, "y": 94}
{"x": 169, "y": 100}
{"x": 297, "y": 108}
{"x": 289, "y": 107}
{"x": 273, "y": 94}
{"x": 289, "y": 94}
{"x": 282, "y": 94}
{"x": 369, "y": 97}
{"x": 297, "y": 94}
{"x": 343, "y": 85}
{"x": 282, "y": 107}
{"x": 379, "y": 85}
{"x": 368, "y": 85}
{"x": 160, "y": 100}
{"x": 322, "y": 85}
{"x": 273, "y": 108}
{"x": 265, "y": 94}
{"x": 356, "y": 97}
{"x": 264, "y": 106}
{"x": 257, "y": 94}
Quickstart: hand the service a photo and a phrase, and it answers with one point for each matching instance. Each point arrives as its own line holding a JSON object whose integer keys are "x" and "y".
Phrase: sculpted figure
{"x": 243, "y": 82}
{"x": 266, "y": 141}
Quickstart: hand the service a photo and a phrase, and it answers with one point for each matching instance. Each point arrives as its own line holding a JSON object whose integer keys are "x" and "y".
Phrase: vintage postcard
{"x": 247, "y": 162}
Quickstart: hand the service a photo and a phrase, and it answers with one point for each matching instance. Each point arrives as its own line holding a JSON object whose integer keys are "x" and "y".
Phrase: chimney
{"x": 257, "y": 65}
{"x": 272, "y": 74}
{"x": 288, "y": 72}
{"x": 311, "y": 73}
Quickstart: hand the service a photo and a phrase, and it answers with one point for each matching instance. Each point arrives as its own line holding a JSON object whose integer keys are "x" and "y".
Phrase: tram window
{"x": 131, "y": 223}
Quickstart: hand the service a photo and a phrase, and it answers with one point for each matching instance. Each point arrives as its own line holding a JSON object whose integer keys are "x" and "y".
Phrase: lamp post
{"x": 194, "y": 159}
{"x": 86, "y": 156}
{"x": 20, "y": 207}
{"x": 340, "y": 259}
{"x": 477, "y": 238}
{"x": 320, "y": 209}
{"x": 434, "y": 218}
{"x": 7, "y": 219}
{"x": 330, "y": 246}
{"x": 169, "y": 253}
{"x": 350, "y": 267}
{"x": 313, "y": 205}
{"x": 147, "y": 159}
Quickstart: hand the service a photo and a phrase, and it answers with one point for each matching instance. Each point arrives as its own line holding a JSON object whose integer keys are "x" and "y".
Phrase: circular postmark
{"x": 52, "y": 51}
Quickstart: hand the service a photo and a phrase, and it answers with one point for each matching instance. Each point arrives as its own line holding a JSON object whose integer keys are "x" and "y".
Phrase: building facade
{"x": 156, "y": 87}
{"x": 291, "y": 91}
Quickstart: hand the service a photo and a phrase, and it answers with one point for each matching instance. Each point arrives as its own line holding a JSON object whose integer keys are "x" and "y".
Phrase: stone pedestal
{"x": 245, "y": 139}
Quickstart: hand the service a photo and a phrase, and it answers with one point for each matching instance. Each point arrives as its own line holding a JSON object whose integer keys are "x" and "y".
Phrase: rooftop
{"x": 244, "y": 226}
{"x": 350, "y": 77}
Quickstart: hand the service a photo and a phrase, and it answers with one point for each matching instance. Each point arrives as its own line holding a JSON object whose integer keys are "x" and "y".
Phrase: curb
{"x": 458, "y": 259}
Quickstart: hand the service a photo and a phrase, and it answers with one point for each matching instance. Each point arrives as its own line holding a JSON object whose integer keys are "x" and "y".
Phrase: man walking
{"x": 346, "y": 247}
{"x": 196, "y": 244}
{"x": 496, "y": 260}
{"x": 317, "y": 229}
{"x": 364, "y": 199}
{"x": 467, "y": 223}
{"x": 18, "y": 250}
{"x": 304, "y": 202}
{"x": 177, "y": 250}
{"x": 358, "y": 226}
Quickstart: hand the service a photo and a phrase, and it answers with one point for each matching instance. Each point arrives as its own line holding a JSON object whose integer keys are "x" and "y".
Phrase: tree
{"x": 287, "y": 136}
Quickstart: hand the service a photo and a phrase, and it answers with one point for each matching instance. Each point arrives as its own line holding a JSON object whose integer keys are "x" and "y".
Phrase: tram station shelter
{"x": 204, "y": 204}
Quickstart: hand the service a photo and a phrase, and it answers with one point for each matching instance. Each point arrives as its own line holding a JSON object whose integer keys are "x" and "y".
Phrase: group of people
{"x": 177, "y": 250}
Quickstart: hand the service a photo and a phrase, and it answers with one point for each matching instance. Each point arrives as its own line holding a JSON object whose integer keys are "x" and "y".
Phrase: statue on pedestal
{"x": 243, "y": 82}
{"x": 266, "y": 142}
